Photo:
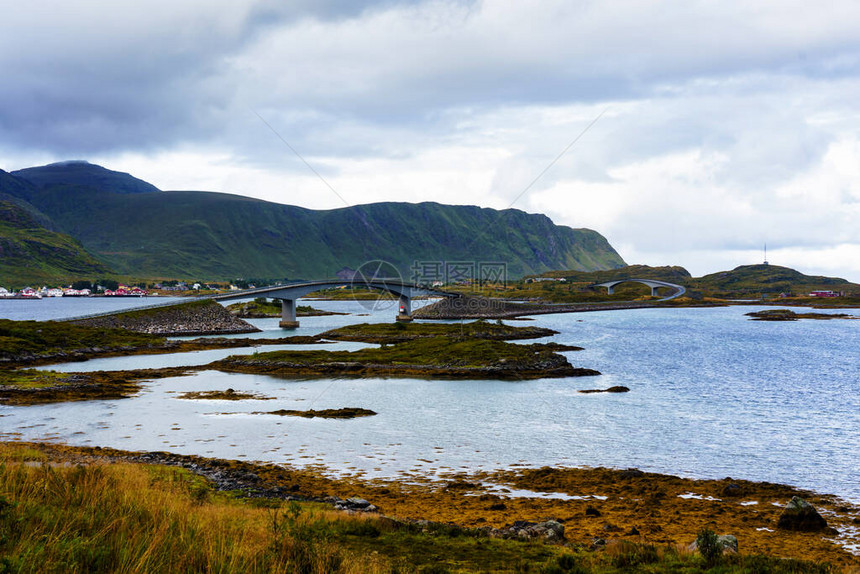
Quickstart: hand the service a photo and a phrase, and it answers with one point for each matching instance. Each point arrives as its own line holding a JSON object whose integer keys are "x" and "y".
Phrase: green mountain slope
{"x": 16, "y": 187}
{"x": 215, "y": 235}
{"x": 31, "y": 254}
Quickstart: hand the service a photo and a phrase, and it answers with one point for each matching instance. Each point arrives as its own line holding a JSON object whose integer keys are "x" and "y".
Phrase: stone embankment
{"x": 204, "y": 317}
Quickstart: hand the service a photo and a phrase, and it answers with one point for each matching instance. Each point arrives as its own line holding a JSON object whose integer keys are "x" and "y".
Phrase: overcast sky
{"x": 725, "y": 124}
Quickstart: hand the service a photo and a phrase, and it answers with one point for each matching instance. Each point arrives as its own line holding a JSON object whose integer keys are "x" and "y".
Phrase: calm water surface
{"x": 713, "y": 394}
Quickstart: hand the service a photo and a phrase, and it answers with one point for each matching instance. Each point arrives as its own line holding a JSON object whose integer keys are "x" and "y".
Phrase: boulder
{"x": 732, "y": 490}
{"x": 729, "y": 543}
{"x": 551, "y": 530}
{"x": 591, "y": 511}
{"x": 354, "y": 504}
{"x": 726, "y": 543}
{"x": 801, "y": 516}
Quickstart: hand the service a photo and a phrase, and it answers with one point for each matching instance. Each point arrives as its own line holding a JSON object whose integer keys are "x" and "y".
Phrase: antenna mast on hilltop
{"x": 765, "y": 253}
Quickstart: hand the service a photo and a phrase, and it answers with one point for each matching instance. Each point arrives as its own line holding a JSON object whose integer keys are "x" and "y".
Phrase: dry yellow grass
{"x": 138, "y": 518}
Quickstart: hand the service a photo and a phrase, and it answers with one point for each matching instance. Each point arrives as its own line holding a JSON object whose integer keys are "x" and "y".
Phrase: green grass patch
{"x": 35, "y": 338}
{"x": 429, "y": 351}
{"x": 31, "y": 379}
{"x": 438, "y": 357}
{"x": 398, "y": 332}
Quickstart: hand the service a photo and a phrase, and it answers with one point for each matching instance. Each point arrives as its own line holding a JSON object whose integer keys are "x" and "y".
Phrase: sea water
{"x": 712, "y": 394}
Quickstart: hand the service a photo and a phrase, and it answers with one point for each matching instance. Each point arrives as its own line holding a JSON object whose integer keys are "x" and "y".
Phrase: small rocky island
{"x": 262, "y": 308}
{"x": 201, "y": 317}
{"x": 343, "y": 413}
{"x": 789, "y": 315}
{"x": 469, "y": 351}
{"x": 389, "y": 333}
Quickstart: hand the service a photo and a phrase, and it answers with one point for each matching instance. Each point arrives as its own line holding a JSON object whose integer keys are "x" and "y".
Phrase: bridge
{"x": 652, "y": 283}
{"x": 288, "y": 294}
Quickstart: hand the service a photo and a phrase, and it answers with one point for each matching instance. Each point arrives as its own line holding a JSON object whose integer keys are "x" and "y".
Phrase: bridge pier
{"x": 610, "y": 289}
{"x": 404, "y": 308}
{"x": 288, "y": 294}
{"x": 288, "y": 314}
{"x": 654, "y": 292}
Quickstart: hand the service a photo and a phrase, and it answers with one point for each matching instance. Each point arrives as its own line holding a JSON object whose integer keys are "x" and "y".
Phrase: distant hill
{"x": 675, "y": 274}
{"x": 32, "y": 254}
{"x": 138, "y": 230}
{"x": 84, "y": 174}
{"x": 746, "y": 280}
{"x": 755, "y": 279}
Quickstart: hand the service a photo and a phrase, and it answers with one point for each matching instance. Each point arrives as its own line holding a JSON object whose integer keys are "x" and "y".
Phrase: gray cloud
{"x": 726, "y": 121}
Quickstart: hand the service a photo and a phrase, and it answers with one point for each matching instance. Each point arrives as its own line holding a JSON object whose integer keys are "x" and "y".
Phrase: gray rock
{"x": 358, "y": 502}
{"x": 355, "y": 504}
{"x": 551, "y": 531}
{"x": 801, "y": 516}
{"x": 727, "y": 542}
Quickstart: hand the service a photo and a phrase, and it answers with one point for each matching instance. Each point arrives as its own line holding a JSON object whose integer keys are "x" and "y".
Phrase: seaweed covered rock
{"x": 801, "y": 516}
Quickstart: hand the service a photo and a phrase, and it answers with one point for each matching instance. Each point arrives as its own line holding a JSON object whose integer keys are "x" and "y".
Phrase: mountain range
{"x": 116, "y": 222}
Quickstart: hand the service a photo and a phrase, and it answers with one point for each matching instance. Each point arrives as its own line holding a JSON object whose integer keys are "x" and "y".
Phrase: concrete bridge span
{"x": 288, "y": 294}
{"x": 652, "y": 283}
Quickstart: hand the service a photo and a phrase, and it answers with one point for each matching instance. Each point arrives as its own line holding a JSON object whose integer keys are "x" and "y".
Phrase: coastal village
{"x": 171, "y": 288}
{"x": 31, "y": 293}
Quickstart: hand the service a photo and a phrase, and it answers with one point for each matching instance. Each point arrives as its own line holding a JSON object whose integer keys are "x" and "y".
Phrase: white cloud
{"x": 727, "y": 124}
